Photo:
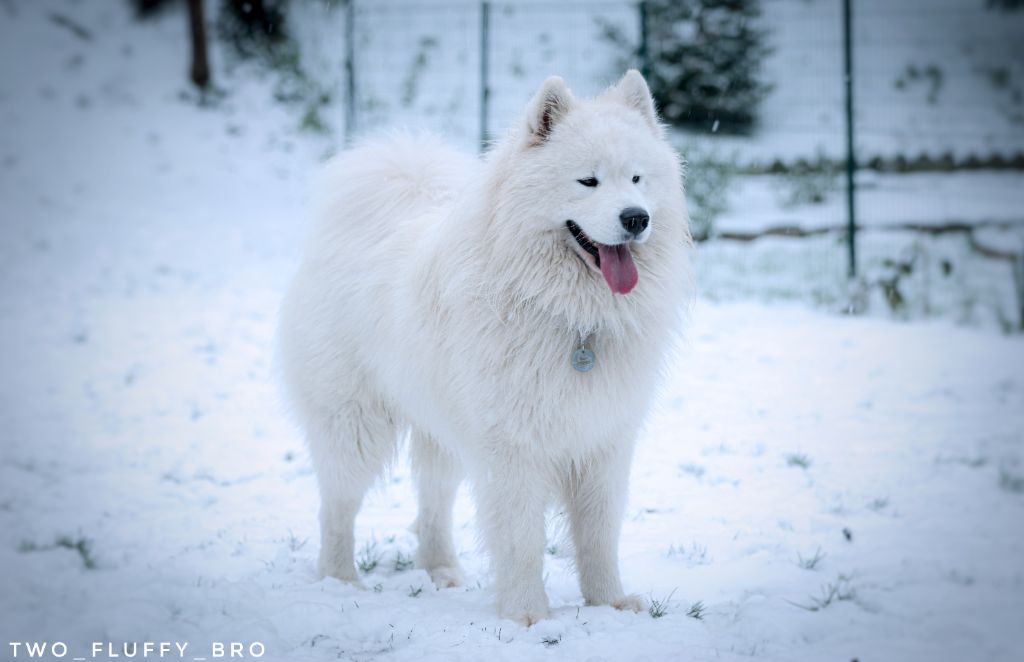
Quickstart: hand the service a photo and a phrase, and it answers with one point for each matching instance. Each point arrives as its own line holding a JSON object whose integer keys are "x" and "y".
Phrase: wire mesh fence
{"x": 467, "y": 68}
{"x": 938, "y": 135}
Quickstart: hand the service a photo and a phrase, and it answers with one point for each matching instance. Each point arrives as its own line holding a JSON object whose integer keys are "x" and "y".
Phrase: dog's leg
{"x": 511, "y": 503}
{"x": 437, "y": 475}
{"x": 349, "y": 453}
{"x": 595, "y": 493}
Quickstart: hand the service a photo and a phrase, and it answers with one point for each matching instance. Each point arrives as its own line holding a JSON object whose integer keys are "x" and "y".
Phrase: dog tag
{"x": 583, "y": 359}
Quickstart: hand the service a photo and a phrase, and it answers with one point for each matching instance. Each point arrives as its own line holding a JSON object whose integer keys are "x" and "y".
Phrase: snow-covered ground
{"x": 883, "y": 200}
{"x": 151, "y": 489}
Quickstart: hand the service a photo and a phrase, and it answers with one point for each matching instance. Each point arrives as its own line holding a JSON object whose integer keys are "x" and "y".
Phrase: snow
{"x": 924, "y": 199}
{"x": 151, "y": 488}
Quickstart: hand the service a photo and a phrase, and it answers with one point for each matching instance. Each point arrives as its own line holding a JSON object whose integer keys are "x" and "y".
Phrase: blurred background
{"x": 929, "y": 133}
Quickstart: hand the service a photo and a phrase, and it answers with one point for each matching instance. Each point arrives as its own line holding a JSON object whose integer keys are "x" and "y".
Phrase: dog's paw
{"x": 631, "y": 602}
{"x": 525, "y": 617}
{"x": 354, "y": 582}
{"x": 347, "y": 575}
{"x": 446, "y": 576}
{"x": 526, "y": 614}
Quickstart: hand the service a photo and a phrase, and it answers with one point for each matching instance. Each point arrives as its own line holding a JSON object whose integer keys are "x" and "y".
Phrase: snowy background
{"x": 811, "y": 485}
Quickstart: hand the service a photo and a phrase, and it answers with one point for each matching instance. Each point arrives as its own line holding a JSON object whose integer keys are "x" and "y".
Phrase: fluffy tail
{"x": 385, "y": 181}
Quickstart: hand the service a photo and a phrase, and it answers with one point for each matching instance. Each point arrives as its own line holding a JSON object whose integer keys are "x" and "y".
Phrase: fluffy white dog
{"x": 513, "y": 314}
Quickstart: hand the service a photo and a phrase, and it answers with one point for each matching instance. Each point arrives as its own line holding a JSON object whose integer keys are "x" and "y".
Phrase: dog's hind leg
{"x": 438, "y": 474}
{"x": 350, "y": 450}
{"x": 595, "y": 498}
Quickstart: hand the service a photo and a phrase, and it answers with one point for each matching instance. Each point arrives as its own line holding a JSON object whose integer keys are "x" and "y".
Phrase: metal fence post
{"x": 350, "y": 71}
{"x": 851, "y": 163}
{"x": 1018, "y": 281}
{"x": 485, "y": 91}
{"x": 642, "y": 52}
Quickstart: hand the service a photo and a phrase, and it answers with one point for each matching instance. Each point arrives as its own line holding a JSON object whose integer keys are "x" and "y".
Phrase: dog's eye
{"x": 588, "y": 181}
{"x": 636, "y": 179}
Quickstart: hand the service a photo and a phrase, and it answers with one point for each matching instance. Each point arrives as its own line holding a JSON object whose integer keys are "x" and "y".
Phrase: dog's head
{"x": 601, "y": 175}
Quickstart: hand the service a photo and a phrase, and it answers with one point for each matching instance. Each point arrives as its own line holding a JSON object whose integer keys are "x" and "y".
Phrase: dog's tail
{"x": 386, "y": 180}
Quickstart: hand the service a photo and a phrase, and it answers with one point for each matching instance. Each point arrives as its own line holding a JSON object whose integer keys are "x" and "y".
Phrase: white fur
{"x": 446, "y": 296}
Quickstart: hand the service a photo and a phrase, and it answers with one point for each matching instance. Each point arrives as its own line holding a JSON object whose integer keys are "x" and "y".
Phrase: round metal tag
{"x": 583, "y": 359}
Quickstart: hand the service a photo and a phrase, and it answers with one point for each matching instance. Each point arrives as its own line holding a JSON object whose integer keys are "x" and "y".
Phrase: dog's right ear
{"x": 632, "y": 90}
{"x": 547, "y": 108}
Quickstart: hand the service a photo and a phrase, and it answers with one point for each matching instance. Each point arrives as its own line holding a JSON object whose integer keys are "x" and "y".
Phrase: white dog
{"x": 513, "y": 314}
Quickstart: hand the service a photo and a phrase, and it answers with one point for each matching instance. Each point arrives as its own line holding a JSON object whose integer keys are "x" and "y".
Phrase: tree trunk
{"x": 200, "y": 72}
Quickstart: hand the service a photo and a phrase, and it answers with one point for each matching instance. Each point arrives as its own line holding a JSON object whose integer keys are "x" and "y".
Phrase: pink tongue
{"x": 618, "y": 268}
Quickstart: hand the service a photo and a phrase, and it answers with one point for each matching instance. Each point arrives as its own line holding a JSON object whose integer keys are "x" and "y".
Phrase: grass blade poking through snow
{"x": 837, "y": 591}
{"x": 369, "y": 556}
{"x": 811, "y": 562}
{"x": 798, "y": 460}
{"x": 659, "y": 608}
{"x": 403, "y": 562}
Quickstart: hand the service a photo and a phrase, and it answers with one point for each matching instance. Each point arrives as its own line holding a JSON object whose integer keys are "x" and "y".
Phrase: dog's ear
{"x": 632, "y": 90}
{"x": 547, "y": 108}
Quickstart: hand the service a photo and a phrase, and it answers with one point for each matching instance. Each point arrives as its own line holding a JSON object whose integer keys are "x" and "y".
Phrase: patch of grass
{"x": 294, "y": 544}
{"x": 929, "y": 77}
{"x": 810, "y": 562}
{"x": 403, "y": 562}
{"x": 694, "y": 554}
{"x": 415, "y": 592}
{"x": 79, "y": 544}
{"x": 878, "y": 505}
{"x": 894, "y": 274}
{"x": 551, "y": 641}
{"x": 798, "y": 460}
{"x": 312, "y": 120}
{"x": 832, "y": 592}
{"x": 694, "y": 470}
{"x": 965, "y": 460}
{"x": 420, "y": 62}
{"x": 811, "y": 187}
{"x": 369, "y": 557}
{"x": 696, "y": 610}
{"x": 658, "y": 607}
{"x": 808, "y": 182}
{"x": 1011, "y": 482}
{"x": 707, "y": 179}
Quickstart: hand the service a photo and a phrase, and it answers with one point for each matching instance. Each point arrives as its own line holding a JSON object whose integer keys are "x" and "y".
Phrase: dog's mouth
{"x": 615, "y": 262}
{"x": 585, "y": 242}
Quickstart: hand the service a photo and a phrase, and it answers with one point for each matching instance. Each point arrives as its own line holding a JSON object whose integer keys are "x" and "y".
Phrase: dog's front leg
{"x": 512, "y": 500}
{"x": 595, "y": 492}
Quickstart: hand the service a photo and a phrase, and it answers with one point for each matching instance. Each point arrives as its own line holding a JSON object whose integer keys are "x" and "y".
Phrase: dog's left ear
{"x": 551, "y": 103}
{"x": 632, "y": 90}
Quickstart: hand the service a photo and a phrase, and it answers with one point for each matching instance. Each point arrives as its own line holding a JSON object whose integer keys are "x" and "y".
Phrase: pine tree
{"x": 254, "y": 28}
{"x": 703, "y": 62}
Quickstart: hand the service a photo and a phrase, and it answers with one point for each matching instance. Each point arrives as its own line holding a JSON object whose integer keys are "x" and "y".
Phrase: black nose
{"x": 634, "y": 219}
